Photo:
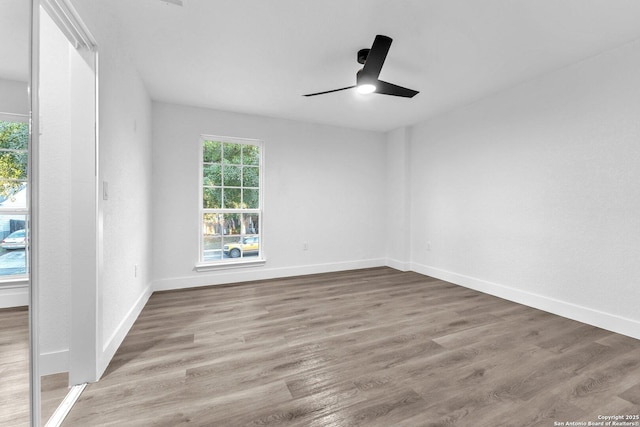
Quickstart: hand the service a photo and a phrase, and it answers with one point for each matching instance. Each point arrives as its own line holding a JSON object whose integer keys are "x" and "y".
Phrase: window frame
{"x": 224, "y": 263}
{"x": 13, "y": 279}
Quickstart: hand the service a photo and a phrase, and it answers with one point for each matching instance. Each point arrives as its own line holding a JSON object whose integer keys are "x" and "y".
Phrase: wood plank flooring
{"x": 14, "y": 366}
{"x": 53, "y": 390}
{"x": 14, "y": 373}
{"x": 374, "y": 347}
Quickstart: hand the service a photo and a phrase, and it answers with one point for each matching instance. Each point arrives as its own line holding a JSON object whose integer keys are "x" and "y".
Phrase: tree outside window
{"x": 14, "y": 142}
{"x": 231, "y": 171}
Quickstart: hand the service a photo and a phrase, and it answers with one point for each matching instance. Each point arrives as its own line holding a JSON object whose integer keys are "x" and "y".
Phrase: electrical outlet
{"x": 135, "y": 270}
{"x": 428, "y": 246}
{"x": 305, "y": 246}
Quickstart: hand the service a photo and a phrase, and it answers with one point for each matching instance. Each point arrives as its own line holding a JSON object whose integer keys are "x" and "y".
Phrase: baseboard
{"x": 111, "y": 345}
{"x": 398, "y": 265}
{"x": 261, "y": 273}
{"x": 14, "y": 295}
{"x": 608, "y": 321}
{"x": 54, "y": 362}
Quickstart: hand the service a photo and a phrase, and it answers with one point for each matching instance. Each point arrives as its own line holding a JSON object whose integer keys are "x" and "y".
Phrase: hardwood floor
{"x": 14, "y": 372}
{"x": 374, "y": 347}
{"x": 14, "y": 366}
{"x": 53, "y": 390}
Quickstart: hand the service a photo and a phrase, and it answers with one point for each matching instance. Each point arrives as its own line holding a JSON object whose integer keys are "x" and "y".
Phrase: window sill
{"x": 211, "y": 266}
{"x": 14, "y": 282}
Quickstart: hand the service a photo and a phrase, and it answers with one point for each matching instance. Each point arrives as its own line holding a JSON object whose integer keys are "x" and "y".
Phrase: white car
{"x": 15, "y": 240}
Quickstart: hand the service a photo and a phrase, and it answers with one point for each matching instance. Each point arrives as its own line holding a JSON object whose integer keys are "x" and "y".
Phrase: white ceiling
{"x": 14, "y": 40}
{"x": 260, "y": 57}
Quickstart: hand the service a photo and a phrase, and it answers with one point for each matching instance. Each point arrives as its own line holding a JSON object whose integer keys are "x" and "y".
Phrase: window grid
{"x": 14, "y": 137}
{"x": 231, "y": 213}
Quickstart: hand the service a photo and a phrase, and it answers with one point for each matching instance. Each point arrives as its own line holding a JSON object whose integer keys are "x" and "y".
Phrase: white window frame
{"x": 17, "y": 278}
{"x": 259, "y": 259}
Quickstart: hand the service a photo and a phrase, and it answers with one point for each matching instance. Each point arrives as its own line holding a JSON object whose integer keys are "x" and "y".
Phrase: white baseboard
{"x": 14, "y": 295}
{"x": 260, "y": 273}
{"x": 398, "y": 265}
{"x": 54, "y": 362}
{"x": 610, "y": 322}
{"x": 111, "y": 345}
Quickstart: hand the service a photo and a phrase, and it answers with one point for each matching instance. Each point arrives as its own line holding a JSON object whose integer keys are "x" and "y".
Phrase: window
{"x": 14, "y": 141}
{"x": 231, "y": 201}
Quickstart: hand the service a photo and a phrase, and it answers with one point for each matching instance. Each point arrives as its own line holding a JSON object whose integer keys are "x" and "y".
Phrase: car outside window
{"x": 231, "y": 200}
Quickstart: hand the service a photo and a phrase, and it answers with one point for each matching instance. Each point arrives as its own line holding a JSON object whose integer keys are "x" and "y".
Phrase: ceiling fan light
{"x": 366, "y": 88}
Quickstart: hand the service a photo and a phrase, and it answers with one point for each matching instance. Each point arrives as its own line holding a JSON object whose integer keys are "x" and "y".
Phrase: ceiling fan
{"x": 367, "y": 78}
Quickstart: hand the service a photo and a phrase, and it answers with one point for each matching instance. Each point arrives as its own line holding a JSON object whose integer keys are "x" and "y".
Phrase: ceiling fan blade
{"x": 386, "y": 88}
{"x": 376, "y": 57}
{"x": 329, "y": 91}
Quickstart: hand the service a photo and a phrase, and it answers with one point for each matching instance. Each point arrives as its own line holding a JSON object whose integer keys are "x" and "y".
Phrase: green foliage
{"x": 251, "y": 155}
{"x": 250, "y": 176}
{"x": 232, "y": 176}
{"x": 14, "y": 136}
{"x": 212, "y": 198}
{"x": 14, "y": 141}
{"x": 232, "y": 153}
{"x": 232, "y": 198}
{"x": 251, "y": 198}
{"x": 212, "y": 151}
{"x": 211, "y": 175}
{"x": 227, "y": 172}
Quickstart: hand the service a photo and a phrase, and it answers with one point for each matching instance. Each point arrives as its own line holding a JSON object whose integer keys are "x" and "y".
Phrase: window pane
{"x": 12, "y": 246}
{"x": 13, "y": 165}
{"x": 211, "y": 175}
{"x": 232, "y": 198}
{"x": 212, "y": 152}
{"x": 13, "y": 194}
{"x": 245, "y": 244}
{"x": 230, "y": 182}
{"x": 230, "y": 239}
{"x": 233, "y": 154}
{"x": 231, "y": 176}
{"x": 212, "y": 197}
{"x": 250, "y": 176}
{"x": 251, "y": 198}
{"x": 251, "y": 155}
{"x": 212, "y": 237}
{"x": 14, "y": 135}
{"x": 231, "y": 225}
{"x": 251, "y": 223}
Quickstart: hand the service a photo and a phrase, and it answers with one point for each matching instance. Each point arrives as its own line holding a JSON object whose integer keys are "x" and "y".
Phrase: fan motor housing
{"x": 362, "y": 55}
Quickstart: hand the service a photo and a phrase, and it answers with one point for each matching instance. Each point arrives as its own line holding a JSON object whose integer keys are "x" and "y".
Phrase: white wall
{"x": 533, "y": 194}
{"x": 125, "y": 162}
{"x": 13, "y": 97}
{"x": 323, "y": 185}
{"x": 398, "y": 251}
{"x": 56, "y": 156}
